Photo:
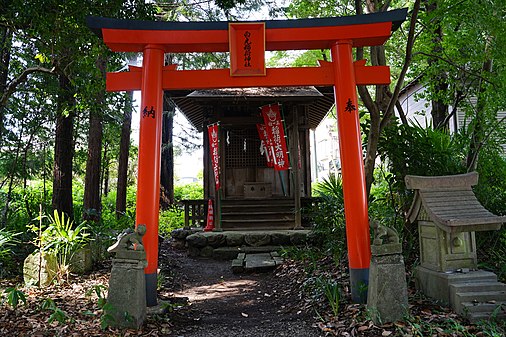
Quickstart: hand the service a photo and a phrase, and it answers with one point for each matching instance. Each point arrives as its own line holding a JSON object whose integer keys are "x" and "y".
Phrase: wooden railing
{"x": 195, "y": 212}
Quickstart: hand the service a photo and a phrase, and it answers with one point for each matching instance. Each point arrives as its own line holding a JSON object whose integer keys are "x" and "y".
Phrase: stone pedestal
{"x": 387, "y": 298}
{"x": 127, "y": 285}
{"x": 127, "y": 293}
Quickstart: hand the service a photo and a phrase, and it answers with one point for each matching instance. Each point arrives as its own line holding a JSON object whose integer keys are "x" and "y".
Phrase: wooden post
{"x": 148, "y": 181}
{"x": 355, "y": 196}
{"x": 294, "y": 149}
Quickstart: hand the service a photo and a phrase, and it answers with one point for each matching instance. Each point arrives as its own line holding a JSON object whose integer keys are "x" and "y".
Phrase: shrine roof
{"x": 193, "y": 104}
{"x": 450, "y": 203}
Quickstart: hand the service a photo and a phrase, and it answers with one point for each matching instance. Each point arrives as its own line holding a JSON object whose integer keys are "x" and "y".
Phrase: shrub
{"x": 62, "y": 239}
{"x": 328, "y": 216}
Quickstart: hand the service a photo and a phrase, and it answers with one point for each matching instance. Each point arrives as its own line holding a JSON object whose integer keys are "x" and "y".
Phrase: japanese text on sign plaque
{"x": 247, "y": 49}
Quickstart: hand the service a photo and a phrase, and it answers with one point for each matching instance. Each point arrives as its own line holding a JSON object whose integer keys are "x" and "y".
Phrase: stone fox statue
{"x": 383, "y": 234}
{"x": 129, "y": 240}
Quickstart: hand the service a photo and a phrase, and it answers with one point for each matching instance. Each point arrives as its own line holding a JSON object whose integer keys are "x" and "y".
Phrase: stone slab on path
{"x": 256, "y": 263}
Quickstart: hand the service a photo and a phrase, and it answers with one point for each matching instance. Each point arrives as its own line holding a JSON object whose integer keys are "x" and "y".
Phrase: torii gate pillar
{"x": 148, "y": 180}
{"x": 352, "y": 169}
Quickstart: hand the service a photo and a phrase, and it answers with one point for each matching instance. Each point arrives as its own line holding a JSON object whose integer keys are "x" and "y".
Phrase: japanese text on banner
{"x": 212, "y": 131}
{"x": 265, "y": 144}
{"x": 276, "y": 133}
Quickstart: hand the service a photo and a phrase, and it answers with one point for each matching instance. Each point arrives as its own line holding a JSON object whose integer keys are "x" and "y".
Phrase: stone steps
{"x": 257, "y": 214}
{"x": 479, "y": 300}
{"x": 497, "y": 312}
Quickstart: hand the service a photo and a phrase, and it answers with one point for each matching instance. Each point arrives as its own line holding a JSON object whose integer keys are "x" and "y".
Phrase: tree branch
{"x": 407, "y": 61}
{"x": 9, "y": 90}
{"x": 456, "y": 66}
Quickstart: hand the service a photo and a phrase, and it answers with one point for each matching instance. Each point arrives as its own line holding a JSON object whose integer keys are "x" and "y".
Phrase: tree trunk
{"x": 105, "y": 170}
{"x": 5, "y": 57}
{"x": 167, "y": 168}
{"x": 124, "y": 147}
{"x": 439, "y": 110}
{"x": 64, "y": 148}
{"x": 10, "y": 177}
{"x": 92, "y": 206}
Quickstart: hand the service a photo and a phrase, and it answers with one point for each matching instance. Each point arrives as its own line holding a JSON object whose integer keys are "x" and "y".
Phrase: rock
{"x": 257, "y": 240}
{"x": 193, "y": 251}
{"x": 207, "y": 251}
{"x": 178, "y": 244}
{"x": 281, "y": 238}
{"x": 181, "y": 233}
{"x": 298, "y": 238}
{"x": 216, "y": 240}
{"x": 196, "y": 240}
{"x": 235, "y": 239}
{"x": 238, "y": 266}
{"x": 82, "y": 260}
{"x": 226, "y": 253}
{"x": 48, "y": 269}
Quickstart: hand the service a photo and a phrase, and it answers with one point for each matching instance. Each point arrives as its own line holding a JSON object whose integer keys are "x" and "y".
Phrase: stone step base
{"x": 479, "y": 299}
{"x": 484, "y": 311}
{"x": 231, "y": 253}
{"x": 256, "y": 262}
{"x": 477, "y": 286}
{"x": 480, "y": 296}
{"x": 475, "y": 295}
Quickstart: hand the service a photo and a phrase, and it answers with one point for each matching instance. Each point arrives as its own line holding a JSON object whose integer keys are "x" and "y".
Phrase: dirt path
{"x": 223, "y": 304}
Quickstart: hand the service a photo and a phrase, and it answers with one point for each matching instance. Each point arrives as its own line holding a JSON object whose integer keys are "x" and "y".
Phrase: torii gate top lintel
{"x": 180, "y": 37}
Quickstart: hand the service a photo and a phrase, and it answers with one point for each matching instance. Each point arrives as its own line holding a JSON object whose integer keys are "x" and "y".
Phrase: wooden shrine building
{"x": 254, "y": 195}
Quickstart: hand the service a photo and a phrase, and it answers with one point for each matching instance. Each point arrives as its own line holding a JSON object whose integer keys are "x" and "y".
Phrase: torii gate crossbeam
{"x": 339, "y": 35}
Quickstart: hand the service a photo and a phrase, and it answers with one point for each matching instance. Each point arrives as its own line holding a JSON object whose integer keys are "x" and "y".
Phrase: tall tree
{"x": 91, "y": 202}
{"x": 167, "y": 162}
{"x": 64, "y": 147}
{"x": 121, "y": 189}
{"x": 5, "y": 56}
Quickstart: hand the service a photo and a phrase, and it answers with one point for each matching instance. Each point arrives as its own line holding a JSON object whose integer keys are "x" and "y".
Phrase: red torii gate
{"x": 247, "y": 42}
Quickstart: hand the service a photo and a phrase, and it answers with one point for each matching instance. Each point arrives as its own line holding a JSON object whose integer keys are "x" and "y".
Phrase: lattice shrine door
{"x": 246, "y": 173}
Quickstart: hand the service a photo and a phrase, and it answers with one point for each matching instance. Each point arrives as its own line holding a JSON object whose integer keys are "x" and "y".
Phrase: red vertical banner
{"x": 212, "y": 131}
{"x": 265, "y": 144}
{"x": 276, "y": 134}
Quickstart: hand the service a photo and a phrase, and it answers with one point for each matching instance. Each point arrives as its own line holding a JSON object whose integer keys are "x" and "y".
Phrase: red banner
{"x": 212, "y": 131}
{"x": 276, "y": 134}
{"x": 265, "y": 144}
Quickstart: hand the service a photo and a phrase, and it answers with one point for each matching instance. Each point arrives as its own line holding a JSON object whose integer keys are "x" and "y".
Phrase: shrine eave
{"x": 181, "y": 37}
